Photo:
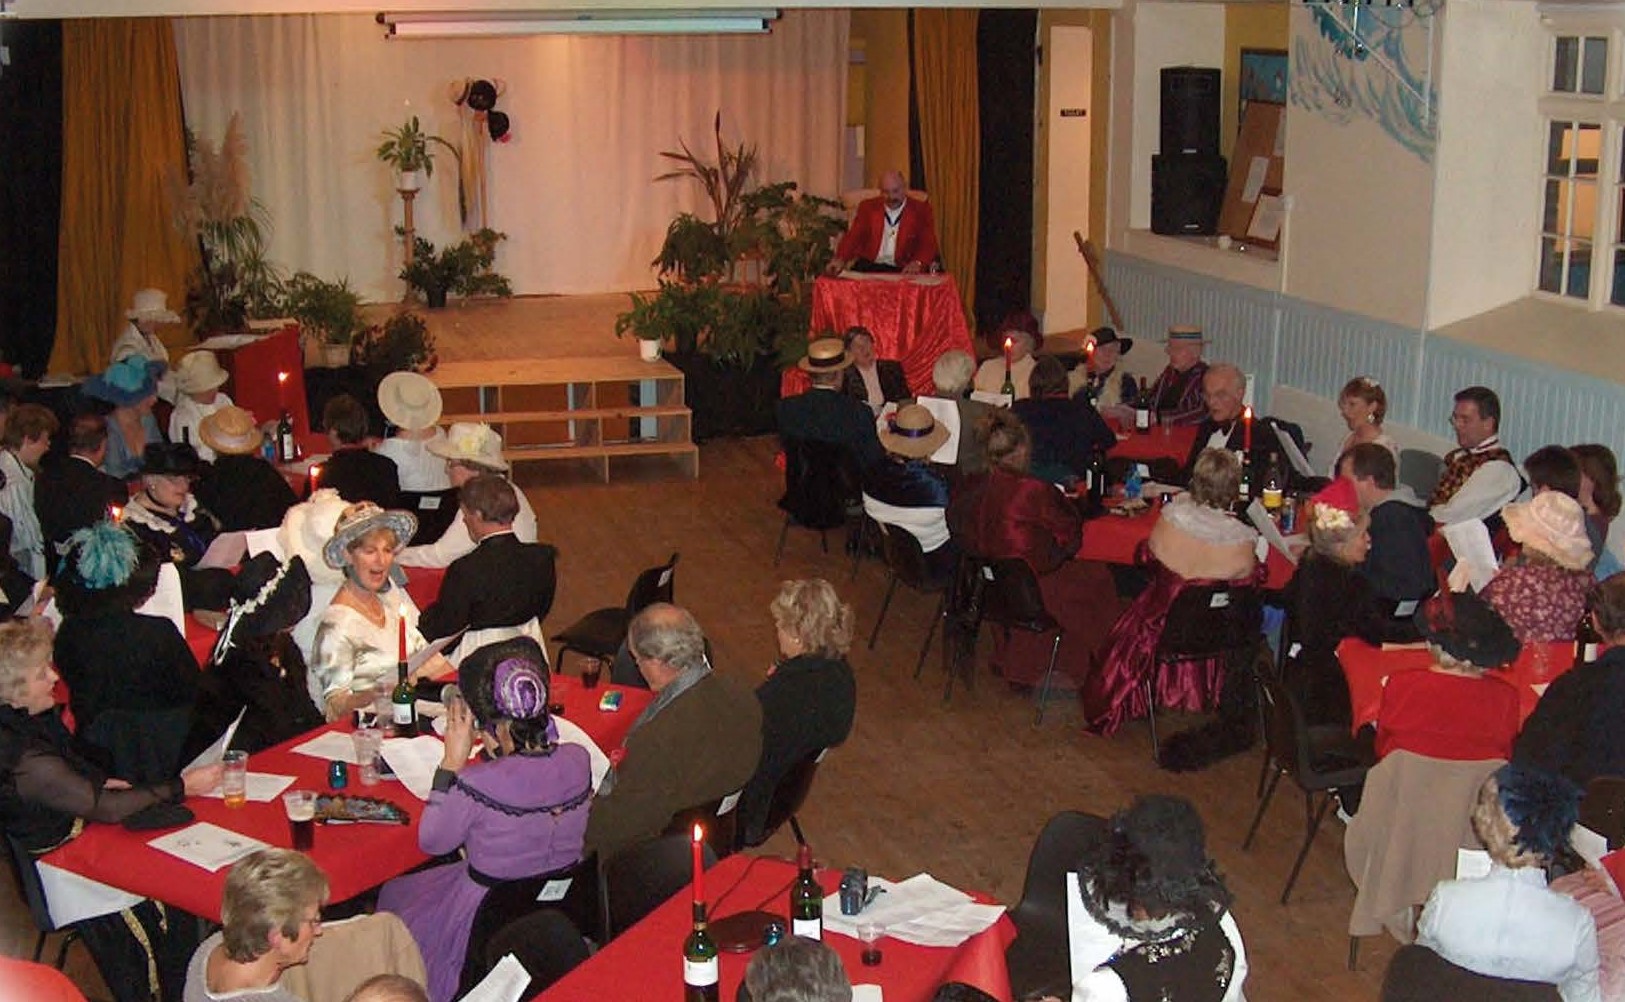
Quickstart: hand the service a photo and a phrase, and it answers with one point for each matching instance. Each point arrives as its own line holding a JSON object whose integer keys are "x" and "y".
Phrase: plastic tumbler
{"x": 368, "y": 744}
{"x": 234, "y": 778}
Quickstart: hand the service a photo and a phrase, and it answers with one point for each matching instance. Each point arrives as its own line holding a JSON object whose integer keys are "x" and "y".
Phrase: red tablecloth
{"x": 1174, "y": 444}
{"x": 355, "y": 858}
{"x": 1113, "y": 540}
{"x": 913, "y": 321}
{"x": 646, "y": 961}
{"x": 1365, "y": 667}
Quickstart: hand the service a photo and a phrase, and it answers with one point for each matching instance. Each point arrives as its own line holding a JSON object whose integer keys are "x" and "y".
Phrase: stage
{"x": 524, "y": 327}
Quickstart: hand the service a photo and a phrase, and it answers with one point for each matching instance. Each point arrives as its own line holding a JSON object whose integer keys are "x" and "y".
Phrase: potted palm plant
{"x": 329, "y": 313}
{"x": 407, "y": 150}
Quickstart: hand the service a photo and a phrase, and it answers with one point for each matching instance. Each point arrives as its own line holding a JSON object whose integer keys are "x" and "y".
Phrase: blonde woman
{"x": 270, "y": 917}
{"x": 809, "y": 697}
{"x": 1364, "y": 405}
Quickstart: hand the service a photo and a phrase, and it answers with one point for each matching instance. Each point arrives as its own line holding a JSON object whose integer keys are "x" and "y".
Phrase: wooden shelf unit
{"x": 588, "y": 409}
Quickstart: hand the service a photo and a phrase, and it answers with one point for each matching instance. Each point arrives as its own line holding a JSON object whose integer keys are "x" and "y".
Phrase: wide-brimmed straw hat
{"x": 1468, "y": 629}
{"x": 471, "y": 442}
{"x": 1185, "y": 334}
{"x": 364, "y": 517}
{"x": 913, "y": 432}
{"x": 230, "y": 431}
{"x": 827, "y": 354}
{"x": 409, "y": 400}
{"x": 130, "y": 380}
{"x": 199, "y": 371}
{"x": 152, "y": 305}
{"x": 306, "y": 529}
{"x": 1553, "y": 524}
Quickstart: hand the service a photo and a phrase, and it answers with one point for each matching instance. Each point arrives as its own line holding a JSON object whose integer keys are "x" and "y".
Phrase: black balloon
{"x": 482, "y": 95}
{"x": 497, "y": 122}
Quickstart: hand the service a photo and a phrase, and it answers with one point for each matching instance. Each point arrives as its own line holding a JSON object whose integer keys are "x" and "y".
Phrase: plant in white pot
{"x": 407, "y": 150}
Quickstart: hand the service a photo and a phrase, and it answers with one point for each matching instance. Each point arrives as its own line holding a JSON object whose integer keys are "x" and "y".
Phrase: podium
{"x": 254, "y": 367}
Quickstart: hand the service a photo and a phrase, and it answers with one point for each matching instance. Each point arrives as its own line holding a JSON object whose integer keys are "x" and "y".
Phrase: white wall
{"x": 1486, "y": 205}
{"x": 1164, "y": 34}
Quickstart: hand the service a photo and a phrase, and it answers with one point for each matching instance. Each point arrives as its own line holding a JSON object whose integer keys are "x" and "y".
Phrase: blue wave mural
{"x": 1376, "y": 73}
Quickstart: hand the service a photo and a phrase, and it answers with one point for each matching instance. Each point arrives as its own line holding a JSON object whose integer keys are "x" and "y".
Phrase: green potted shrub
{"x": 329, "y": 313}
{"x": 400, "y": 344}
{"x": 407, "y": 150}
{"x": 466, "y": 268}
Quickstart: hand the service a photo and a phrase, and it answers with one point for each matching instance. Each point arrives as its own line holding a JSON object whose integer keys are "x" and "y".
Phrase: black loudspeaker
{"x": 1187, "y": 191}
{"x": 1190, "y": 110}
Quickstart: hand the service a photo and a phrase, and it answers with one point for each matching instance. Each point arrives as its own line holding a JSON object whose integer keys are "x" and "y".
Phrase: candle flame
{"x": 1009, "y": 342}
{"x": 115, "y": 512}
{"x": 699, "y": 833}
{"x": 1247, "y": 413}
{"x": 282, "y": 377}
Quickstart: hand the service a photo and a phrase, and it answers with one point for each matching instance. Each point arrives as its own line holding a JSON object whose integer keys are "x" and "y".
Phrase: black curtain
{"x": 916, "y": 156}
{"x": 30, "y": 191}
{"x": 1006, "y": 43}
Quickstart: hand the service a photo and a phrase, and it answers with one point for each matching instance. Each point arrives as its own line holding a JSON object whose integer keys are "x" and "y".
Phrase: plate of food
{"x": 343, "y": 810}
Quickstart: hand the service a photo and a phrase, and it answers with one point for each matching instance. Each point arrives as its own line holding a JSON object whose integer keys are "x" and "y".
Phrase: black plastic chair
{"x": 1603, "y": 809}
{"x": 720, "y": 818}
{"x": 546, "y": 944}
{"x": 1319, "y": 759}
{"x": 435, "y": 511}
{"x": 1417, "y": 974}
{"x": 820, "y": 490}
{"x": 788, "y": 797}
{"x": 1220, "y": 620}
{"x": 600, "y": 633}
{"x": 1005, "y": 593}
{"x": 26, "y": 873}
{"x": 640, "y": 878}
{"x": 1039, "y": 959}
{"x": 906, "y": 560}
{"x": 512, "y": 900}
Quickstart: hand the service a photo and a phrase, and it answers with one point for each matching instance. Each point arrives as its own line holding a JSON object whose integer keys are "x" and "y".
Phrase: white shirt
{"x": 1092, "y": 945}
{"x": 888, "y": 235}
{"x": 455, "y": 542}
{"x": 1486, "y": 492}
{"x": 187, "y": 415}
{"x": 871, "y": 387}
{"x": 17, "y": 502}
{"x": 1509, "y": 924}
{"x": 419, "y": 469}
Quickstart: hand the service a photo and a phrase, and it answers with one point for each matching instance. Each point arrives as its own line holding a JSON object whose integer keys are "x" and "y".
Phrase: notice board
{"x": 1257, "y": 164}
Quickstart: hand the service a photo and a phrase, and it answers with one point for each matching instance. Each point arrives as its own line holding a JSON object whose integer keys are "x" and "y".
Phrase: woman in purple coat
{"x": 521, "y": 814}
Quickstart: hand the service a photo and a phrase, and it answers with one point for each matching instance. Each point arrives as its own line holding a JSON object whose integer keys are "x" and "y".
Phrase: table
{"x": 914, "y": 320}
{"x": 650, "y": 954}
{"x": 1113, "y": 539}
{"x": 1174, "y": 444}
{"x": 356, "y": 858}
{"x": 1365, "y": 667}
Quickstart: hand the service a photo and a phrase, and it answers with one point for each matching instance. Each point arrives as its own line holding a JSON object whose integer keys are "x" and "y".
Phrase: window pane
{"x": 1551, "y": 264}
{"x": 1579, "y": 283}
{"x": 1551, "y": 218}
{"x": 1565, "y": 67}
{"x": 1583, "y": 218}
{"x": 1595, "y": 66}
{"x": 1587, "y": 151}
{"x": 1556, "y": 147}
{"x": 1573, "y": 148}
{"x": 1618, "y": 296}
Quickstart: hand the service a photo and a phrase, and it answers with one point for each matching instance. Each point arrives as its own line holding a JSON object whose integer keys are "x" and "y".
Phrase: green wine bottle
{"x": 403, "y": 704}
{"x": 806, "y": 899}
{"x": 700, "y": 977}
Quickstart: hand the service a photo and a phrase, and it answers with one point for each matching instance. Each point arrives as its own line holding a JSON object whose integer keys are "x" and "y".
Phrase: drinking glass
{"x": 869, "y": 934}
{"x": 234, "y": 778}
{"x": 369, "y": 743}
{"x": 591, "y": 672}
{"x": 300, "y": 806}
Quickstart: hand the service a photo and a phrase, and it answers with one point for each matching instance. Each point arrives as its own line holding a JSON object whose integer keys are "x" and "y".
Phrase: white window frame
{"x": 1607, "y": 110}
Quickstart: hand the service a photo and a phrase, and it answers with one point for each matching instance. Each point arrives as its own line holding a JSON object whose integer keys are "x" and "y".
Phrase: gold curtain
{"x": 945, "y": 89}
{"x": 121, "y": 135}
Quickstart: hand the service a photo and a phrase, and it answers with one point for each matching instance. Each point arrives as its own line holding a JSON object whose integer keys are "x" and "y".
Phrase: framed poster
{"x": 1263, "y": 78}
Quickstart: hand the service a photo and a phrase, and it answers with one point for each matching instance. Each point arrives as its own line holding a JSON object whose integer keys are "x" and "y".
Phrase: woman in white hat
{"x": 198, "y": 379}
{"x": 469, "y": 449}
{"x": 1541, "y": 593}
{"x": 411, "y": 404}
{"x": 361, "y": 635}
{"x": 148, "y": 310}
{"x": 240, "y": 487}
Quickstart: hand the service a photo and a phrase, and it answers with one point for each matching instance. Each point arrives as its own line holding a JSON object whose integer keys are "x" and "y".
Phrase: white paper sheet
{"x": 216, "y": 751}
{"x": 228, "y": 342}
{"x": 572, "y": 734}
{"x": 867, "y": 993}
{"x": 1470, "y": 542}
{"x": 165, "y": 602}
{"x": 72, "y": 898}
{"x": 1294, "y": 455}
{"x": 227, "y": 550}
{"x": 333, "y": 746}
{"x": 1258, "y": 169}
{"x": 1588, "y": 845}
{"x": 208, "y": 846}
{"x": 429, "y": 650}
{"x": 993, "y": 399}
{"x": 920, "y": 910}
{"x": 262, "y": 788}
{"x": 946, "y": 413}
{"x": 1472, "y": 864}
{"x": 1268, "y": 530}
{"x": 263, "y": 541}
{"x": 506, "y": 983}
{"x": 414, "y": 760}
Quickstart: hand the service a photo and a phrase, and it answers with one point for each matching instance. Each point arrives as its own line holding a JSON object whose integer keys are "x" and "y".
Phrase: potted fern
{"x": 407, "y": 150}
{"x": 329, "y": 313}
{"x": 466, "y": 268}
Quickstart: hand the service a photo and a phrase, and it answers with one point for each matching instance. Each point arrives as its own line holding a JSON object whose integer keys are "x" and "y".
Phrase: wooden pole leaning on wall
{"x": 1091, "y": 257}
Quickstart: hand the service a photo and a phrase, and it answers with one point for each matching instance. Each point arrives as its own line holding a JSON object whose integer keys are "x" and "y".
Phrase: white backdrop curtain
{"x": 573, "y": 189}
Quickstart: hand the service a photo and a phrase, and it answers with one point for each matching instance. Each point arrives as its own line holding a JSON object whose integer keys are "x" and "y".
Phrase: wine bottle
{"x": 1095, "y": 479}
{"x": 699, "y": 961}
{"x": 806, "y": 899}
{"x": 403, "y": 704}
{"x": 1274, "y": 485}
{"x": 285, "y": 449}
{"x": 1587, "y": 639}
{"x": 1142, "y": 409}
{"x": 1009, "y": 387}
{"x": 1245, "y": 490}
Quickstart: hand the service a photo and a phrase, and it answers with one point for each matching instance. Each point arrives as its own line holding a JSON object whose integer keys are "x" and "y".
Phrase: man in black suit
{"x": 1225, "y": 387}
{"x": 824, "y": 413}
{"x": 73, "y": 492}
{"x": 874, "y": 382}
{"x": 355, "y": 471}
{"x": 503, "y": 584}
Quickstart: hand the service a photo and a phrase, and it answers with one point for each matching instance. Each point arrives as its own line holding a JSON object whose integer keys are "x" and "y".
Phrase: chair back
{"x": 512, "y": 900}
{"x": 1285, "y": 732}
{"x": 1011, "y": 596}
{"x": 905, "y": 558}
{"x": 791, "y": 792}
{"x": 435, "y": 511}
{"x": 719, "y": 817}
{"x": 820, "y": 482}
{"x": 640, "y": 878}
{"x": 143, "y": 746}
{"x": 26, "y": 872}
{"x": 1417, "y": 974}
{"x": 546, "y": 944}
{"x": 1039, "y": 961}
{"x": 1603, "y": 809}
{"x": 1210, "y": 618}
{"x": 655, "y": 584}
{"x": 1420, "y": 470}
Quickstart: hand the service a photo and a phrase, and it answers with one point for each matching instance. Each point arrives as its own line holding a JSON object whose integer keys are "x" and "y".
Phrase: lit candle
{"x": 1247, "y": 429}
{"x": 402, "y": 624}
{"x": 1009, "y": 346}
{"x": 315, "y": 477}
{"x": 1089, "y": 353}
{"x": 699, "y": 864}
{"x": 282, "y": 390}
{"x": 115, "y": 512}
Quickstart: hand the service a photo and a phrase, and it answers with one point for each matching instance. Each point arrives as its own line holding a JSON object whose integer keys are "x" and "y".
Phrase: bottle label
{"x": 700, "y": 973}
{"x": 1590, "y": 653}
{"x": 810, "y": 928}
{"x": 402, "y": 713}
{"x": 1272, "y": 497}
{"x": 1142, "y": 419}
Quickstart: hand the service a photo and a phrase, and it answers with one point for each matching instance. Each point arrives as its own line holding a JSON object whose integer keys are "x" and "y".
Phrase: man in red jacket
{"x": 889, "y": 233}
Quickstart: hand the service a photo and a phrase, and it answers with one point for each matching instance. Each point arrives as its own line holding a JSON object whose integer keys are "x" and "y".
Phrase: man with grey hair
{"x": 1225, "y": 388}
{"x": 952, "y": 375}
{"x": 698, "y": 742}
{"x": 890, "y": 233}
{"x": 796, "y": 970}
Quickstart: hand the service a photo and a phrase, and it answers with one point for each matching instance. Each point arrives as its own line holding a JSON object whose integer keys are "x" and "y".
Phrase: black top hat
{"x": 170, "y": 460}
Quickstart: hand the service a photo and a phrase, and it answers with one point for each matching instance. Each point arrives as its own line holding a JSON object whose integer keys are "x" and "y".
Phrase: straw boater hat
{"x": 473, "y": 442}
{"x": 1185, "y": 334}
{"x": 409, "y": 400}
{"x": 199, "y": 371}
{"x": 230, "y": 431}
{"x": 306, "y": 529}
{"x": 913, "y": 432}
{"x": 152, "y": 305}
{"x": 364, "y": 517}
{"x": 1553, "y": 524}
{"x": 827, "y": 354}
{"x": 130, "y": 380}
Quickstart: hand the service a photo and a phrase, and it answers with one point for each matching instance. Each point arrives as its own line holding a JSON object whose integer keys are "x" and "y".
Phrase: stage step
{"x": 518, "y": 417}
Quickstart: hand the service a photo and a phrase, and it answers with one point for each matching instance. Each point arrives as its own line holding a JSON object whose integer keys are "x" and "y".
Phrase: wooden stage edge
{"x": 524, "y": 327}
